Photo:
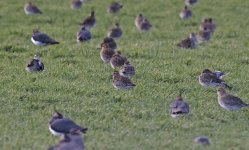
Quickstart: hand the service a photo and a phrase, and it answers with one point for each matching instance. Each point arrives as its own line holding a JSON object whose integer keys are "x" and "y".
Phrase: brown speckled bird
{"x": 83, "y": 35}
{"x": 188, "y": 43}
{"x": 117, "y": 60}
{"x": 109, "y": 42}
{"x": 209, "y": 79}
{"x": 142, "y": 23}
{"x": 127, "y": 70}
{"x": 120, "y": 82}
{"x": 228, "y": 101}
{"x": 106, "y": 54}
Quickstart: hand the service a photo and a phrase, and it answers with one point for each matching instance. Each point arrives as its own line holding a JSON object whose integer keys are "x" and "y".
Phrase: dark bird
{"x": 58, "y": 125}
{"x": 83, "y": 35}
{"x": 114, "y": 7}
{"x": 35, "y": 65}
{"x": 90, "y": 21}
{"x": 31, "y": 9}
{"x": 115, "y": 32}
{"x": 42, "y": 39}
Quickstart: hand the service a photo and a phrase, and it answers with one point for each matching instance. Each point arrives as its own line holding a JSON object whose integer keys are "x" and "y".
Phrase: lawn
{"x": 78, "y": 84}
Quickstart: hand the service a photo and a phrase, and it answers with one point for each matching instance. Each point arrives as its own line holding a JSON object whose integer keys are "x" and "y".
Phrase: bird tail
{"x": 54, "y": 42}
{"x": 84, "y": 130}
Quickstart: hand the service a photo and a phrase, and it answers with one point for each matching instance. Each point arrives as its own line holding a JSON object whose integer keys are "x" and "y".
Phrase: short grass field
{"x": 78, "y": 84}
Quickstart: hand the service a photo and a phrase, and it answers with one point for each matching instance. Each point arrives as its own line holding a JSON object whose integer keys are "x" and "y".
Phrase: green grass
{"x": 78, "y": 84}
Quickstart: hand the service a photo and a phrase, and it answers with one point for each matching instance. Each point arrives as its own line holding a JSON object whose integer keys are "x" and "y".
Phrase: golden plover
{"x": 209, "y": 79}
{"x": 127, "y": 70}
{"x": 228, "y": 101}
{"x": 188, "y": 43}
{"x": 76, "y": 4}
{"x": 106, "y": 54}
{"x": 202, "y": 140}
{"x": 120, "y": 82}
{"x": 117, "y": 60}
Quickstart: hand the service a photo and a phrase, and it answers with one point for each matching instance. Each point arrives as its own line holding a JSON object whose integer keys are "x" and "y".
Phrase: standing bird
{"x": 31, "y": 9}
{"x": 109, "y": 42}
{"x": 106, "y": 54}
{"x": 202, "y": 140}
{"x": 76, "y": 4}
{"x": 120, "y": 82}
{"x": 228, "y": 101}
{"x": 114, "y": 7}
{"x": 190, "y": 2}
{"x": 117, "y": 60}
{"x": 35, "y": 65}
{"x": 208, "y": 24}
{"x": 179, "y": 107}
{"x": 83, "y": 35}
{"x": 209, "y": 79}
{"x": 142, "y": 23}
{"x": 70, "y": 141}
{"x": 186, "y": 13}
{"x": 115, "y": 32}
{"x": 58, "y": 125}
{"x": 188, "y": 43}
{"x": 127, "y": 70}
{"x": 90, "y": 21}
{"x": 42, "y": 39}
{"x": 203, "y": 36}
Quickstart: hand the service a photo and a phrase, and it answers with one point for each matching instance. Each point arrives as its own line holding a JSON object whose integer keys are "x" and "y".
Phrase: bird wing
{"x": 42, "y": 37}
{"x": 233, "y": 100}
{"x": 63, "y": 125}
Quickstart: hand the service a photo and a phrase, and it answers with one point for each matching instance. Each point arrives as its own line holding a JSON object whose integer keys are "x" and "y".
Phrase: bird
{"x": 41, "y": 39}
{"x": 31, "y": 9}
{"x": 114, "y": 7}
{"x": 142, "y": 23}
{"x": 115, "y": 32}
{"x": 203, "y": 36}
{"x": 209, "y": 79}
{"x": 83, "y": 35}
{"x": 117, "y": 60}
{"x": 127, "y": 70}
{"x": 190, "y": 2}
{"x": 188, "y": 43}
{"x": 208, "y": 24}
{"x": 228, "y": 101}
{"x": 70, "y": 141}
{"x": 58, "y": 125}
{"x": 109, "y": 42}
{"x": 202, "y": 140}
{"x": 106, "y": 54}
{"x": 90, "y": 21}
{"x": 76, "y": 4}
{"x": 186, "y": 13}
{"x": 120, "y": 82}
{"x": 179, "y": 107}
{"x": 35, "y": 65}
